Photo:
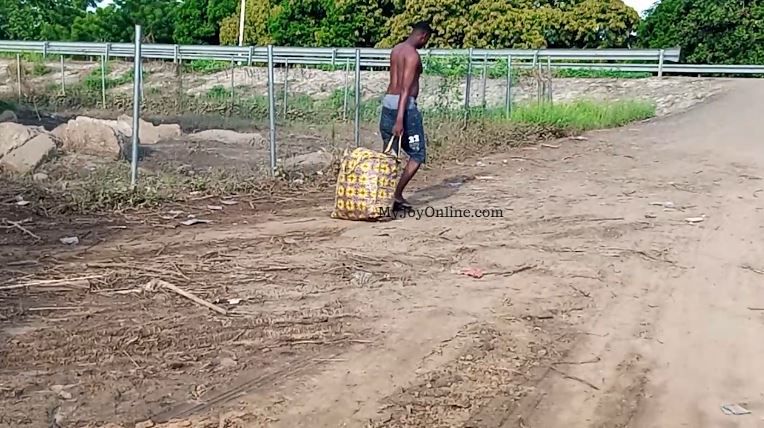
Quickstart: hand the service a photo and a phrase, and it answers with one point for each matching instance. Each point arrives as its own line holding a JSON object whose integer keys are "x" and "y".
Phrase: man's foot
{"x": 401, "y": 204}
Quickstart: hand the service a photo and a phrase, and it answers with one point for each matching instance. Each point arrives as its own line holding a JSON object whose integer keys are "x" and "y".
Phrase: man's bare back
{"x": 404, "y": 55}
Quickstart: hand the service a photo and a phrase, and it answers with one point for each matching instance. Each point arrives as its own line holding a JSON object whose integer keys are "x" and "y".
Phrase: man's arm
{"x": 409, "y": 71}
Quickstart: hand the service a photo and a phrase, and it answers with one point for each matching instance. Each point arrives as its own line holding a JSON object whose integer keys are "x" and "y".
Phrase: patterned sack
{"x": 366, "y": 184}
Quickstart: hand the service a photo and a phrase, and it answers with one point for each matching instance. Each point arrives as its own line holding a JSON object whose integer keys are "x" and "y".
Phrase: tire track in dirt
{"x": 669, "y": 359}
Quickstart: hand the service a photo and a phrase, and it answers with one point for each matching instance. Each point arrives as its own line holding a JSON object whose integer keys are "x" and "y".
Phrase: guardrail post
{"x": 251, "y": 54}
{"x": 103, "y": 79}
{"x": 347, "y": 91}
{"x": 549, "y": 79}
{"x": 63, "y": 80}
{"x": 334, "y": 58}
{"x": 271, "y": 110}
{"x": 233, "y": 87}
{"x": 485, "y": 79}
{"x": 137, "y": 83}
{"x": 18, "y": 75}
{"x": 286, "y": 86}
{"x": 180, "y": 84}
{"x": 508, "y": 95}
{"x": 660, "y": 63}
{"x": 357, "y": 125}
{"x": 175, "y": 54}
{"x": 45, "y": 46}
{"x": 468, "y": 84}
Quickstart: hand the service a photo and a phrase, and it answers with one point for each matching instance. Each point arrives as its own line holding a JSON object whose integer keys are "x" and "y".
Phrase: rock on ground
{"x": 8, "y": 116}
{"x": 309, "y": 162}
{"x": 13, "y": 135}
{"x": 29, "y": 155}
{"x": 93, "y": 137}
{"x": 22, "y": 148}
{"x": 228, "y": 137}
{"x": 148, "y": 132}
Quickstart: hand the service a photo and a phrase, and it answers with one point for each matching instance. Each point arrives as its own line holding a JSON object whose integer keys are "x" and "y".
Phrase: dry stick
{"x": 54, "y": 308}
{"x": 187, "y": 295}
{"x": 512, "y": 272}
{"x": 755, "y": 309}
{"x": 578, "y": 379}
{"x": 578, "y": 363}
{"x": 582, "y": 292}
{"x": 752, "y": 269}
{"x": 52, "y": 283}
{"x": 23, "y": 229}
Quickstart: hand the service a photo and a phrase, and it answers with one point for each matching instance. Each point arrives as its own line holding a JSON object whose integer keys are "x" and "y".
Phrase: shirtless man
{"x": 400, "y": 115}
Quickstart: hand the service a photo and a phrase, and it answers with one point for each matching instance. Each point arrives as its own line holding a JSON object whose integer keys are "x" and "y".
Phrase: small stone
{"x": 228, "y": 363}
{"x": 144, "y": 424}
{"x": 40, "y": 176}
{"x": 70, "y": 240}
{"x": 60, "y": 390}
{"x": 8, "y": 116}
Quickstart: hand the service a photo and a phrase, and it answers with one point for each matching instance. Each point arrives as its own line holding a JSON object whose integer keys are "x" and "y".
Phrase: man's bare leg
{"x": 411, "y": 168}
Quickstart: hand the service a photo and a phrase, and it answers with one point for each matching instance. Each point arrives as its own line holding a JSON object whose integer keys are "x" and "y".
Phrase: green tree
{"x": 102, "y": 25}
{"x": 39, "y": 19}
{"x": 256, "y": 18}
{"x": 116, "y": 22}
{"x": 318, "y": 23}
{"x": 198, "y": 21}
{"x": 519, "y": 23}
{"x": 708, "y": 31}
{"x": 448, "y": 18}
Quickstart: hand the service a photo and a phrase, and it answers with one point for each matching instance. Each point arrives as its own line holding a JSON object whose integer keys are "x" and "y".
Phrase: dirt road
{"x": 600, "y": 304}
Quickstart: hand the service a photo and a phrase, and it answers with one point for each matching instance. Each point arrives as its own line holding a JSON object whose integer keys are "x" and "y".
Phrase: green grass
{"x": 583, "y": 115}
{"x": 204, "y": 66}
{"x": 7, "y": 105}
{"x": 599, "y": 74}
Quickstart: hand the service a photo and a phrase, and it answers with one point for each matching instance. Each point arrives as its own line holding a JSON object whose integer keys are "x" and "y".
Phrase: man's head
{"x": 420, "y": 34}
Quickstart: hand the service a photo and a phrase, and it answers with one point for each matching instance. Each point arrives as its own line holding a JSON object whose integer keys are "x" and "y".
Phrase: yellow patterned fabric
{"x": 366, "y": 185}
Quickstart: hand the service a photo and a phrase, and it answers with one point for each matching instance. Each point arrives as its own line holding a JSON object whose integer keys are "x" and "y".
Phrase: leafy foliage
{"x": 39, "y": 19}
{"x": 708, "y": 31}
{"x": 256, "y": 17}
{"x": 198, "y": 21}
{"x": 520, "y": 23}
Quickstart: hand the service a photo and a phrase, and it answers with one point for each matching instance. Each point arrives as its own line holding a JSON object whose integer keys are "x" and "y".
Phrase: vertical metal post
{"x": 469, "y": 81}
{"x": 241, "y": 22}
{"x": 63, "y": 81}
{"x": 347, "y": 91}
{"x": 357, "y": 124}
{"x": 508, "y": 96}
{"x": 271, "y": 110}
{"x": 660, "y": 63}
{"x": 485, "y": 78}
{"x": 103, "y": 80}
{"x": 233, "y": 93}
{"x": 180, "y": 84}
{"x": 137, "y": 83}
{"x": 539, "y": 83}
{"x": 550, "y": 78}
{"x": 18, "y": 75}
{"x": 286, "y": 86}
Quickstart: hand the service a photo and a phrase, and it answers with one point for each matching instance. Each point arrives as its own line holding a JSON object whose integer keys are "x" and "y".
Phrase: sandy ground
{"x": 600, "y": 304}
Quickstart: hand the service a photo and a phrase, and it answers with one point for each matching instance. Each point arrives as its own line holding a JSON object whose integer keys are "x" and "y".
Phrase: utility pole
{"x": 241, "y": 22}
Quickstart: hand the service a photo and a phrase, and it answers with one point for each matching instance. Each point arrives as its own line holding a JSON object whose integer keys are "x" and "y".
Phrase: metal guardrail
{"x": 660, "y": 61}
{"x": 369, "y": 56}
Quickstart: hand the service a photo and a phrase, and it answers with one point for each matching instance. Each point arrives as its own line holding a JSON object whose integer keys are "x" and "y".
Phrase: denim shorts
{"x": 413, "y": 141}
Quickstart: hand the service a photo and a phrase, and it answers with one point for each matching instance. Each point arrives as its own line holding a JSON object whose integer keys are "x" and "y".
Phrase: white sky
{"x": 640, "y": 5}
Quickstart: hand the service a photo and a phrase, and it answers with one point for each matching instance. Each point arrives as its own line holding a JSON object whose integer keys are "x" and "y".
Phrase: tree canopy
{"x": 708, "y": 31}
